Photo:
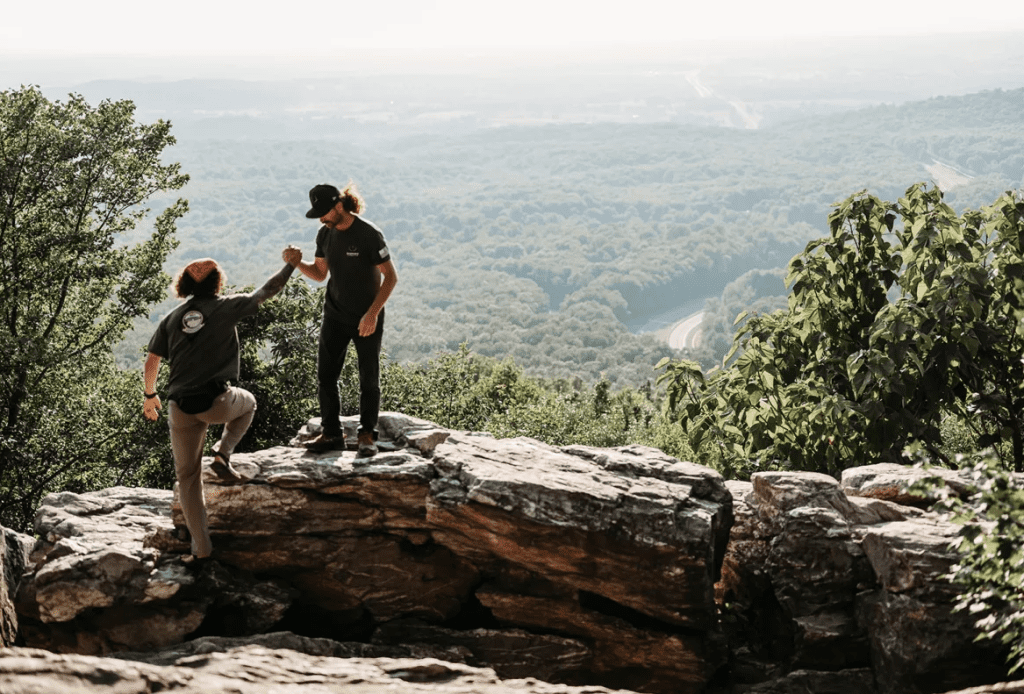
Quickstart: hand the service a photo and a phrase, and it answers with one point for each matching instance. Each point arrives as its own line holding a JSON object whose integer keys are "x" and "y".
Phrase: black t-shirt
{"x": 352, "y": 259}
{"x": 200, "y": 341}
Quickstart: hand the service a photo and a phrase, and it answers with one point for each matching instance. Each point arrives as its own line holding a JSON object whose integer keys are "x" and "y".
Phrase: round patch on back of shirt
{"x": 192, "y": 322}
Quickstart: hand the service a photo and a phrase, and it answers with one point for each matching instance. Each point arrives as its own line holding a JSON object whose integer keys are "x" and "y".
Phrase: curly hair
{"x": 351, "y": 200}
{"x": 185, "y": 285}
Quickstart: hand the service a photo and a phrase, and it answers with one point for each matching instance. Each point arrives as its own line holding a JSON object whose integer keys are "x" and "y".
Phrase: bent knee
{"x": 243, "y": 399}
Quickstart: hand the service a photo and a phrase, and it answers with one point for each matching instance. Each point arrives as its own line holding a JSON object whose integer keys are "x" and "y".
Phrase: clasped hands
{"x": 292, "y": 255}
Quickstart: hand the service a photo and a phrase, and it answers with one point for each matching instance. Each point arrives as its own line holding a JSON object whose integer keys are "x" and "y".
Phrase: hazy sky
{"x": 333, "y": 27}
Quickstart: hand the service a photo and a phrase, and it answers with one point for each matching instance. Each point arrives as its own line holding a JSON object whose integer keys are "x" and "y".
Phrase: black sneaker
{"x": 195, "y": 563}
{"x": 326, "y": 442}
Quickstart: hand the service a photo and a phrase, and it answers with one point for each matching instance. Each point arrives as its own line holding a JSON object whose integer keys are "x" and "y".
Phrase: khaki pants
{"x": 234, "y": 409}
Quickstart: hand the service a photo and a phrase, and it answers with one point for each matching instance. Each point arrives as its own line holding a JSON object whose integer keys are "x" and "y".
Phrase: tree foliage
{"x": 73, "y": 182}
{"x": 463, "y": 390}
{"x": 457, "y": 389}
{"x": 278, "y": 362}
{"x": 752, "y": 293}
{"x": 991, "y": 546}
{"x": 904, "y": 313}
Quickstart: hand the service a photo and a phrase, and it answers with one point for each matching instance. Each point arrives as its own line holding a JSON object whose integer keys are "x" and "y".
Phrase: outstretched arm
{"x": 316, "y": 271}
{"x": 274, "y": 284}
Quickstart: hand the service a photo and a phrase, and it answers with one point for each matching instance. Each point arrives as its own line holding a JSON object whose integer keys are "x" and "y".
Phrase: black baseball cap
{"x": 322, "y": 198}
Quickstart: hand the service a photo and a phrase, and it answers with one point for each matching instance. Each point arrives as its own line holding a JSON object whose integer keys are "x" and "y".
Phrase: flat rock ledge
{"x": 572, "y": 565}
{"x": 255, "y": 669}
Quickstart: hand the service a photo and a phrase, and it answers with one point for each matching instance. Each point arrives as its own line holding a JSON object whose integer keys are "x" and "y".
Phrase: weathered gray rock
{"x": 14, "y": 548}
{"x": 288, "y": 641}
{"x": 821, "y": 581}
{"x": 921, "y": 645}
{"x": 255, "y": 669}
{"x": 996, "y": 688}
{"x": 912, "y": 555}
{"x": 892, "y": 482}
{"x": 96, "y": 585}
{"x": 817, "y": 682}
{"x": 514, "y": 653}
{"x": 512, "y": 554}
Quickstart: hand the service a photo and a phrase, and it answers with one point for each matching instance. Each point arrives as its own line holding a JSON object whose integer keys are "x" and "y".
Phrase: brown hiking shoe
{"x": 367, "y": 447}
{"x": 221, "y": 466}
{"x": 326, "y": 442}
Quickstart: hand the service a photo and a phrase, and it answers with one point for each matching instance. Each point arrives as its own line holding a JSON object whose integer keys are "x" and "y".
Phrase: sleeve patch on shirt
{"x": 384, "y": 252}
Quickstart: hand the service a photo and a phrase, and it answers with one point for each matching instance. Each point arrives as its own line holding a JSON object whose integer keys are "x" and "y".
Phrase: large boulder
{"x": 835, "y": 580}
{"x": 579, "y": 565}
{"x": 892, "y": 482}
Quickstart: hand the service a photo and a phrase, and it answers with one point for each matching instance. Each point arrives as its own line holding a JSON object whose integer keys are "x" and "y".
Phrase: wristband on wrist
{"x": 149, "y": 395}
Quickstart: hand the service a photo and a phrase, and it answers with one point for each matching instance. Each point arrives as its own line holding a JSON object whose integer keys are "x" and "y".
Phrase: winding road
{"x": 686, "y": 333}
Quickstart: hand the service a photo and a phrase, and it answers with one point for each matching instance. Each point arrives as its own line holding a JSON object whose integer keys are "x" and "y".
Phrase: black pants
{"x": 334, "y": 340}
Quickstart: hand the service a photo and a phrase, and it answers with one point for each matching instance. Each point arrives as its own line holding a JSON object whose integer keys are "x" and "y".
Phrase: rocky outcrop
{"x": 451, "y": 551}
{"x": 576, "y": 565}
{"x": 14, "y": 549}
{"x": 824, "y": 580}
{"x": 8, "y": 589}
{"x": 255, "y": 669}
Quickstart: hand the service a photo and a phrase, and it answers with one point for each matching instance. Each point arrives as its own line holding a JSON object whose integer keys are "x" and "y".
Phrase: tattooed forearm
{"x": 274, "y": 284}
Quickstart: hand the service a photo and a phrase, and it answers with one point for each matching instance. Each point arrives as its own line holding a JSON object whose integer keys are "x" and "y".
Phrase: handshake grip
{"x": 292, "y": 255}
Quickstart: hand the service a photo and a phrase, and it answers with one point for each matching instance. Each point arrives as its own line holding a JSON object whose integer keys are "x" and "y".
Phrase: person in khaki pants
{"x": 200, "y": 341}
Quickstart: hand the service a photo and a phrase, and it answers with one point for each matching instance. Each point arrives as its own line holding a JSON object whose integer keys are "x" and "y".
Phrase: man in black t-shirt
{"x": 352, "y": 251}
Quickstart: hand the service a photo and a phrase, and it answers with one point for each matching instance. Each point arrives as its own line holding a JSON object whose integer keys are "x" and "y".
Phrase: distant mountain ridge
{"x": 745, "y": 85}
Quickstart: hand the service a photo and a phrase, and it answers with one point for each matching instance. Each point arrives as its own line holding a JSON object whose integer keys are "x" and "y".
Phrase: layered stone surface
{"x": 571, "y": 565}
{"x": 600, "y": 562}
{"x": 255, "y": 669}
{"x": 835, "y": 583}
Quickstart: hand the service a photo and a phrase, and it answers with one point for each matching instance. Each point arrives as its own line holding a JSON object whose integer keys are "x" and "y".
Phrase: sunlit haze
{"x": 346, "y": 30}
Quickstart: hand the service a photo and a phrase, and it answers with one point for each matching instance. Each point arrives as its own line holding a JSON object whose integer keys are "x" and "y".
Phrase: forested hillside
{"x": 559, "y": 244}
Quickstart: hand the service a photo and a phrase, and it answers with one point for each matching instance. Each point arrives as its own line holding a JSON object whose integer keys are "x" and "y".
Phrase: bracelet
{"x": 149, "y": 395}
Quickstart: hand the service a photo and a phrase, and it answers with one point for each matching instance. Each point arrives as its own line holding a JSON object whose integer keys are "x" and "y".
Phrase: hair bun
{"x": 200, "y": 269}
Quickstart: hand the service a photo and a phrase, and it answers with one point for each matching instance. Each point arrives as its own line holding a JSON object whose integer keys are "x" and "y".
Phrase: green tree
{"x": 445, "y": 390}
{"x": 278, "y": 365}
{"x": 904, "y": 313}
{"x": 73, "y": 182}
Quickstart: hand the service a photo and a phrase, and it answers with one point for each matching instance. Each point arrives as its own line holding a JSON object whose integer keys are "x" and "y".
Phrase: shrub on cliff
{"x": 904, "y": 314}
